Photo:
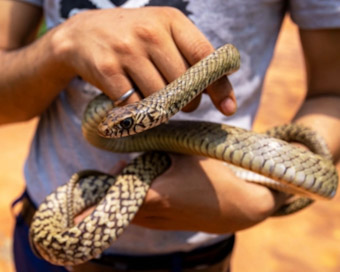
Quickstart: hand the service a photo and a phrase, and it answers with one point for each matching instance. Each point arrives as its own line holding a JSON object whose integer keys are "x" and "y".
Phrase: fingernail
{"x": 228, "y": 106}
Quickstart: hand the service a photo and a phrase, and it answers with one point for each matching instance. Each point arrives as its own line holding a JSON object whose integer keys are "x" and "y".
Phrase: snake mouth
{"x": 105, "y": 131}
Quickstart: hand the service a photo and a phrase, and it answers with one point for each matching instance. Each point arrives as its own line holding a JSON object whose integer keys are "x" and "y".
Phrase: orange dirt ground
{"x": 307, "y": 241}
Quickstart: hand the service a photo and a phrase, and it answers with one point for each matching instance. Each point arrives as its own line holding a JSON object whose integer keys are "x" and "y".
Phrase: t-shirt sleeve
{"x": 33, "y": 2}
{"x": 313, "y": 14}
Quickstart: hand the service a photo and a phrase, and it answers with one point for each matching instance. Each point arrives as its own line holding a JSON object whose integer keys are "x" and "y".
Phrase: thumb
{"x": 222, "y": 95}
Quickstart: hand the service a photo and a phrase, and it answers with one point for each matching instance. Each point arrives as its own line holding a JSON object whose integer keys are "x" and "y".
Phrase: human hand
{"x": 150, "y": 47}
{"x": 202, "y": 194}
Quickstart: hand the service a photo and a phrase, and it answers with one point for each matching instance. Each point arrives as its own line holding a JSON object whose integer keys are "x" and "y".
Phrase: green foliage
{"x": 42, "y": 29}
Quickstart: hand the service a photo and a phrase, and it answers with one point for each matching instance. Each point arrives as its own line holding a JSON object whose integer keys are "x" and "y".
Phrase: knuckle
{"x": 200, "y": 50}
{"x": 157, "y": 200}
{"x": 165, "y": 12}
{"x": 124, "y": 46}
{"x": 107, "y": 68}
{"x": 264, "y": 205}
{"x": 152, "y": 28}
{"x": 173, "y": 12}
{"x": 148, "y": 33}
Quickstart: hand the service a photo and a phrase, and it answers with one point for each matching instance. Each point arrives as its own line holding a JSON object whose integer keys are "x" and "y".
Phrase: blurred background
{"x": 306, "y": 241}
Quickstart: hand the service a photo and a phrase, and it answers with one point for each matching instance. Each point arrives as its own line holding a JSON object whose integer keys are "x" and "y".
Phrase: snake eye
{"x": 127, "y": 123}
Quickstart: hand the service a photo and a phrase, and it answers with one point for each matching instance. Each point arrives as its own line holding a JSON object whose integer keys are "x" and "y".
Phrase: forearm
{"x": 321, "y": 109}
{"x": 322, "y": 113}
{"x": 30, "y": 78}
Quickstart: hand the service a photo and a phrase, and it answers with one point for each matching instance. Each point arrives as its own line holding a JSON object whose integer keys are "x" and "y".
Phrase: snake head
{"x": 127, "y": 120}
{"x": 119, "y": 122}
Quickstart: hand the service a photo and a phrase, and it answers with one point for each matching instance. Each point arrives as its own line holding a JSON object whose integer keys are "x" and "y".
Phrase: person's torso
{"x": 59, "y": 150}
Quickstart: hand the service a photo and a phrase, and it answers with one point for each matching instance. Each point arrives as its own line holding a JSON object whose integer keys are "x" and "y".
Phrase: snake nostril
{"x": 103, "y": 130}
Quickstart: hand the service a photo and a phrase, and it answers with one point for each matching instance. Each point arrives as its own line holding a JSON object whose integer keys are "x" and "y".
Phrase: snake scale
{"x": 117, "y": 198}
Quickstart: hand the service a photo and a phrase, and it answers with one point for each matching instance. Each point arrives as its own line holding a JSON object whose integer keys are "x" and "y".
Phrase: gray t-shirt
{"x": 59, "y": 150}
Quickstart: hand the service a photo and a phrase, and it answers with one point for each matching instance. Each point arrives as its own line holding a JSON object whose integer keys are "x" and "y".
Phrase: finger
{"x": 162, "y": 223}
{"x": 222, "y": 95}
{"x": 194, "y": 47}
{"x": 191, "y": 43}
{"x": 78, "y": 218}
{"x": 145, "y": 75}
{"x": 193, "y": 104}
{"x": 169, "y": 60}
{"x": 116, "y": 87}
{"x": 171, "y": 64}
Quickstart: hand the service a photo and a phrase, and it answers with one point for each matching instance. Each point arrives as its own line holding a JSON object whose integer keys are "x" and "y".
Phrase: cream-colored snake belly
{"x": 290, "y": 169}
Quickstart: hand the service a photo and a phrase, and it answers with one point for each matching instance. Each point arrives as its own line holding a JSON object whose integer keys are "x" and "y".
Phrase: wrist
{"x": 61, "y": 48}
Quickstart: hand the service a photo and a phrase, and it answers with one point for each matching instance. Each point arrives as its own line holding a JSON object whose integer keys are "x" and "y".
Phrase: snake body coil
{"x": 288, "y": 168}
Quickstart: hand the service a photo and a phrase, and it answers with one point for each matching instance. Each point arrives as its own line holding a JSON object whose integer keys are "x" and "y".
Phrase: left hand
{"x": 203, "y": 194}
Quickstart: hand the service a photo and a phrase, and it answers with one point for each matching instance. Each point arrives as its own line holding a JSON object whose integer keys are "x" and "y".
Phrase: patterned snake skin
{"x": 287, "y": 168}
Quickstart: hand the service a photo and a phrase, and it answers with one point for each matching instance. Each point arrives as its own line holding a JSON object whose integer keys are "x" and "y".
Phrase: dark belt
{"x": 198, "y": 258}
{"x": 204, "y": 256}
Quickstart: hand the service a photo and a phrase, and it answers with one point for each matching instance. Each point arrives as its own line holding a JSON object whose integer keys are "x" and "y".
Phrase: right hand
{"x": 147, "y": 46}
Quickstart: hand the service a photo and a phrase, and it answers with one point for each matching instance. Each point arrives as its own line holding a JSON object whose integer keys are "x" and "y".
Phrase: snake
{"x": 145, "y": 127}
